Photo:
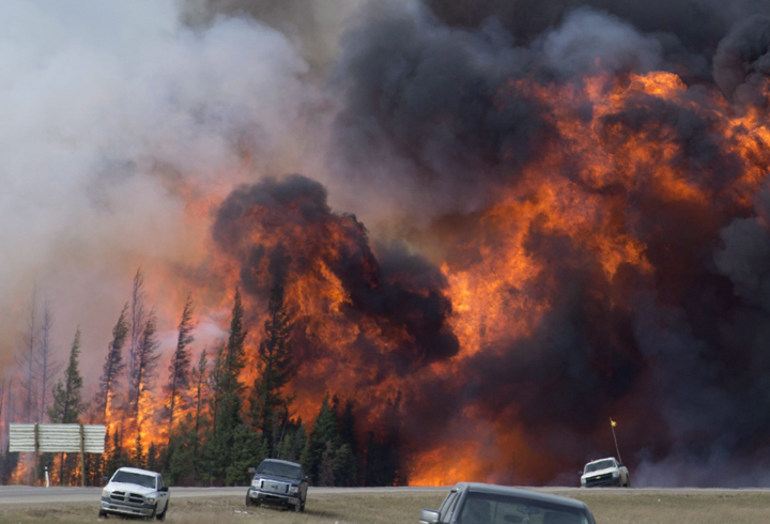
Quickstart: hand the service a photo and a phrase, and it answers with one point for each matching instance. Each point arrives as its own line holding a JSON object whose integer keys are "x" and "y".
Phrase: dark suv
{"x": 278, "y": 482}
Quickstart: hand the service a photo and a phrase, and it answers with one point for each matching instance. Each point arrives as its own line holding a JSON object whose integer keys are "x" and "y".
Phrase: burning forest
{"x": 401, "y": 242}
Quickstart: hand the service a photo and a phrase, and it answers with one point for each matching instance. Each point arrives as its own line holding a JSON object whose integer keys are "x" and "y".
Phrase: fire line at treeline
{"x": 615, "y": 264}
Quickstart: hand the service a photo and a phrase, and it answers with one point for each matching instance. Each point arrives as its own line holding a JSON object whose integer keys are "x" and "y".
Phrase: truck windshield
{"x": 483, "y": 508}
{"x": 599, "y": 464}
{"x": 279, "y": 469}
{"x": 134, "y": 478}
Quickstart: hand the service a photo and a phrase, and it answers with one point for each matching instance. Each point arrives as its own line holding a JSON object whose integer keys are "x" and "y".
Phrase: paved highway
{"x": 30, "y": 495}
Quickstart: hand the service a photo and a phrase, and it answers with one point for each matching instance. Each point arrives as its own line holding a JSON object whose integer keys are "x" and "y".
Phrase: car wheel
{"x": 162, "y": 516}
{"x": 249, "y": 502}
{"x": 102, "y": 514}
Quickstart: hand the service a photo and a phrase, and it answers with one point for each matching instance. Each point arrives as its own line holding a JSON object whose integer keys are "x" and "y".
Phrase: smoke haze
{"x": 521, "y": 218}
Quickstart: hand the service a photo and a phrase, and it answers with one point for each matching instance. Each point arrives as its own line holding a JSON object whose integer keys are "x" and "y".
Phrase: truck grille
{"x": 600, "y": 480}
{"x": 273, "y": 486}
{"x": 122, "y": 496}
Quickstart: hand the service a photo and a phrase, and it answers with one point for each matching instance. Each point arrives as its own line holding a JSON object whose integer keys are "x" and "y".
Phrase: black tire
{"x": 628, "y": 483}
{"x": 103, "y": 514}
{"x": 298, "y": 507}
{"x": 248, "y": 500}
{"x": 302, "y": 509}
{"x": 162, "y": 516}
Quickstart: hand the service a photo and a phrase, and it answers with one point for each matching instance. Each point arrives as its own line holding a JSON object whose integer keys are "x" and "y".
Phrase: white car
{"x": 133, "y": 491}
{"x": 605, "y": 472}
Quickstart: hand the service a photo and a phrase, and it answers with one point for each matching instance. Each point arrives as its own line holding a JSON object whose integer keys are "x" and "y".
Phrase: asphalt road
{"x": 30, "y": 495}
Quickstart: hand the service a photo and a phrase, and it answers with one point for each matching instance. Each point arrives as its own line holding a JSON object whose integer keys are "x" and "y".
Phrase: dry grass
{"x": 609, "y": 507}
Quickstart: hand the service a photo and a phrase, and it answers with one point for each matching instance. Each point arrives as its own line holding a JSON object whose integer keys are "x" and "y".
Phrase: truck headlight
{"x": 105, "y": 493}
{"x": 150, "y": 499}
{"x": 583, "y": 481}
{"x": 293, "y": 489}
{"x": 615, "y": 474}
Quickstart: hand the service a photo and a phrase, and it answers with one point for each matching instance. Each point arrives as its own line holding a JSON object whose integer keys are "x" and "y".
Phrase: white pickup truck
{"x": 605, "y": 472}
{"x": 137, "y": 492}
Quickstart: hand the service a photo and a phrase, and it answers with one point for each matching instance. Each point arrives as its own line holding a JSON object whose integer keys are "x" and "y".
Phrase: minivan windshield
{"x": 599, "y": 464}
{"x": 484, "y": 508}
{"x": 279, "y": 469}
{"x": 134, "y": 478}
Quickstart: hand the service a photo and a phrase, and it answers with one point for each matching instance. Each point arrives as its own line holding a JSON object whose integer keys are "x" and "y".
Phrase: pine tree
{"x": 67, "y": 397}
{"x": 179, "y": 370}
{"x": 248, "y": 451}
{"x": 324, "y": 430}
{"x": 270, "y": 408}
{"x": 199, "y": 383}
{"x": 113, "y": 366}
{"x": 229, "y": 391}
{"x": 326, "y": 467}
{"x": 146, "y": 362}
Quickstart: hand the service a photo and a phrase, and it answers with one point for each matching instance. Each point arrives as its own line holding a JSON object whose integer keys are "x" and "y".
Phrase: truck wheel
{"x": 162, "y": 516}
{"x": 298, "y": 506}
{"x": 628, "y": 483}
{"x": 248, "y": 500}
{"x": 102, "y": 514}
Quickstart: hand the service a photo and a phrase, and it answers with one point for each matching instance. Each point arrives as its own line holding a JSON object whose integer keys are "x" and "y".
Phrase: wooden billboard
{"x": 57, "y": 438}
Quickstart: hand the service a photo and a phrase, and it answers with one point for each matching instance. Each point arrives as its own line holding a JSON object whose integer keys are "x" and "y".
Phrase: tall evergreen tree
{"x": 179, "y": 369}
{"x": 324, "y": 431}
{"x": 229, "y": 390}
{"x": 113, "y": 366}
{"x": 146, "y": 362}
{"x": 199, "y": 384}
{"x": 68, "y": 396}
{"x": 270, "y": 407}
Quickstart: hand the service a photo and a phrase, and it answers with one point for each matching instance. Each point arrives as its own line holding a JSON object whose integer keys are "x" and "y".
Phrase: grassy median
{"x": 609, "y": 507}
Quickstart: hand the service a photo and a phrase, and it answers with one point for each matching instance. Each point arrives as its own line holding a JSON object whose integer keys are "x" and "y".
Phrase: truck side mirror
{"x": 252, "y": 471}
{"x": 164, "y": 489}
{"x": 105, "y": 479}
{"x": 580, "y": 473}
{"x": 429, "y": 516}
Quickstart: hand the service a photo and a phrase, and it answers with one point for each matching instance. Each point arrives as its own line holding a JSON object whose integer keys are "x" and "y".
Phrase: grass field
{"x": 609, "y": 507}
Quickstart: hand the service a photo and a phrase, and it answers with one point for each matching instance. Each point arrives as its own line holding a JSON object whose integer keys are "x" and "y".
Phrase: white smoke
{"x": 110, "y": 112}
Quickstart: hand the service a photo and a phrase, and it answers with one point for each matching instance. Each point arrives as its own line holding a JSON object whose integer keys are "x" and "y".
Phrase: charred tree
{"x": 47, "y": 368}
{"x": 113, "y": 366}
{"x": 138, "y": 325}
{"x": 25, "y": 359}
